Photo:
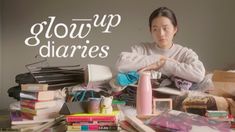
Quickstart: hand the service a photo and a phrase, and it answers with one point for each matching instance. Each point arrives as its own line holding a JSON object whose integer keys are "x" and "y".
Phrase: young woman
{"x": 163, "y": 55}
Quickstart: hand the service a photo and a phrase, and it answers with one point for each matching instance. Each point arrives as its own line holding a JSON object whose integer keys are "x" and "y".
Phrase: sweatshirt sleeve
{"x": 191, "y": 68}
{"x": 135, "y": 59}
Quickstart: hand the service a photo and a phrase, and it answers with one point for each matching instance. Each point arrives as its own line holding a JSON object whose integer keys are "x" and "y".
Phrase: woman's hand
{"x": 154, "y": 66}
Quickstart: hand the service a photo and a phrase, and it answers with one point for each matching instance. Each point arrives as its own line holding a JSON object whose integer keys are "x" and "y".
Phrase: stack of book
{"x": 92, "y": 122}
{"x": 37, "y": 106}
{"x": 37, "y": 102}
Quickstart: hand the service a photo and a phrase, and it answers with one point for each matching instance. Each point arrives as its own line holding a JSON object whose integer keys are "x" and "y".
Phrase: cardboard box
{"x": 224, "y": 84}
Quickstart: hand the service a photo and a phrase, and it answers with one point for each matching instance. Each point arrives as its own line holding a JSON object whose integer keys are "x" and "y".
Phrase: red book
{"x": 33, "y": 104}
{"x": 93, "y": 117}
{"x": 90, "y": 118}
{"x": 92, "y": 127}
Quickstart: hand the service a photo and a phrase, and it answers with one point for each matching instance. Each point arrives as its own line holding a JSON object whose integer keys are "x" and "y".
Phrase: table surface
{"x": 5, "y": 118}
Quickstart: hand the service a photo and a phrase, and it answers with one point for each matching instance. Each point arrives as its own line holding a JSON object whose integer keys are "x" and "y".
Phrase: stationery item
{"x": 144, "y": 95}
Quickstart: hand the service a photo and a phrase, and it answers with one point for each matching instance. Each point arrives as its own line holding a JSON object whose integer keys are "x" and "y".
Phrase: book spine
{"x": 31, "y": 96}
{"x": 39, "y": 117}
{"x": 92, "y": 122}
{"x": 27, "y": 116}
{"x": 90, "y": 118}
{"x": 92, "y": 127}
{"x": 38, "y": 95}
{"x": 28, "y": 105}
{"x": 34, "y": 87}
{"x": 28, "y": 110}
{"x": 37, "y": 104}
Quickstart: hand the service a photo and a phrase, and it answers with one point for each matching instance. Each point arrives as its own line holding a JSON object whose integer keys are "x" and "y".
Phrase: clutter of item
{"x": 74, "y": 98}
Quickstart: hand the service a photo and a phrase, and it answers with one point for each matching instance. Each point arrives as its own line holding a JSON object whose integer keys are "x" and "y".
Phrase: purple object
{"x": 94, "y": 105}
{"x": 183, "y": 122}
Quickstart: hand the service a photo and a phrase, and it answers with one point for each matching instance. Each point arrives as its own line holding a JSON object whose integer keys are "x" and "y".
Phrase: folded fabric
{"x": 115, "y": 86}
{"x": 124, "y": 79}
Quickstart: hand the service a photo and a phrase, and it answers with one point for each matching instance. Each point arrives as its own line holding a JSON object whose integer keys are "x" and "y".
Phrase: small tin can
{"x": 94, "y": 105}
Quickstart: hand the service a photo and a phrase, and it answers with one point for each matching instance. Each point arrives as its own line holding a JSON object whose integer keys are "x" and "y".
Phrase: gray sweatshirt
{"x": 187, "y": 64}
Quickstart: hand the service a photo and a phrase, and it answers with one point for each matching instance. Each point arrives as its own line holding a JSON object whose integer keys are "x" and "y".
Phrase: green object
{"x": 118, "y": 102}
{"x": 84, "y": 128}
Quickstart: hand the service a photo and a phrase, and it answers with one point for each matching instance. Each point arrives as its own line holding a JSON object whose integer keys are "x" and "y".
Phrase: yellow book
{"x": 114, "y": 113}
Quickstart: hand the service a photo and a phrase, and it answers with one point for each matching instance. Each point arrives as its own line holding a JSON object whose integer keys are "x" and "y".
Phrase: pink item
{"x": 144, "y": 95}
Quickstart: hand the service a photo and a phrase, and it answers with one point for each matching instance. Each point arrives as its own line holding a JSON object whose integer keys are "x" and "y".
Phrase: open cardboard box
{"x": 224, "y": 84}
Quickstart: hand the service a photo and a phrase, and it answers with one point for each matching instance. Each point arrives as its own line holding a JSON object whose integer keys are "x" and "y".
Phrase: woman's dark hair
{"x": 163, "y": 11}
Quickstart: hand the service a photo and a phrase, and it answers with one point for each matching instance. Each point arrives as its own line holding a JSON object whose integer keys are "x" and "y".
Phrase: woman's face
{"x": 163, "y": 32}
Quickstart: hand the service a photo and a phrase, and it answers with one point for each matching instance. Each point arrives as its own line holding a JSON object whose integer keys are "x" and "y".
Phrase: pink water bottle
{"x": 144, "y": 95}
